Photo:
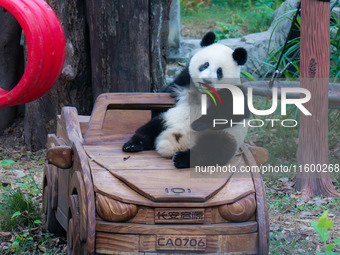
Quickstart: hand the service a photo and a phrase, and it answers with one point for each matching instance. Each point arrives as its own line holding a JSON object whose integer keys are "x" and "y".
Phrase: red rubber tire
{"x": 46, "y": 50}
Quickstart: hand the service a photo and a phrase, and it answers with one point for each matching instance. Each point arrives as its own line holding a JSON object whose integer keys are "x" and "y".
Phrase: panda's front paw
{"x": 182, "y": 159}
{"x": 199, "y": 125}
{"x": 133, "y": 147}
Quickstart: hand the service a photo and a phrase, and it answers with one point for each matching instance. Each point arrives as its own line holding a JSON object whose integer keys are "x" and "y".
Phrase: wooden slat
{"x": 166, "y": 229}
{"x": 135, "y": 101}
{"x": 261, "y": 205}
{"x": 240, "y": 185}
{"x": 124, "y": 121}
{"x": 84, "y": 122}
{"x": 69, "y": 129}
{"x": 159, "y": 181}
{"x": 63, "y": 179}
{"x": 170, "y": 185}
{"x": 117, "y": 242}
{"x": 244, "y": 244}
{"x": 113, "y": 158}
{"x": 104, "y": 182}
{"x": 221, "y": 244}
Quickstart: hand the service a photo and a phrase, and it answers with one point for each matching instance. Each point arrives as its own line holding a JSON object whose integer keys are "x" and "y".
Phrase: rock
{"x": 185, "y": 51}
{"x": 174, "y": 25}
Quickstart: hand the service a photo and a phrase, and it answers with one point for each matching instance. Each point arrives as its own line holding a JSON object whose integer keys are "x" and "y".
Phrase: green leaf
{"x": 23, "y": 185}
{"x": 6, "y": 162}
{"x": 37, "y": 222}
{"x": 314, "y": 225}
{"x": 329, "y": 247}
{"x": 337, "y": 241}
{"x": 331, "y": 253}
{"x": 16, "y": 214}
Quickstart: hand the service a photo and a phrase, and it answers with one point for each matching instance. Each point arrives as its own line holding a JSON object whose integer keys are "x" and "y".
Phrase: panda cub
{"x": 182, "y": 133}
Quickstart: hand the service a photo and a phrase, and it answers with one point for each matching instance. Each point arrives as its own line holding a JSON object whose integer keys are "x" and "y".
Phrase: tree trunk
{"x": 74, "y": 85}
{"x": 128, "y": 44}
{"x": 123, "y": 47}
{"x": 159, "y": 28}
{"x": 315, "y": 64}
{"x": 10, "y": 71}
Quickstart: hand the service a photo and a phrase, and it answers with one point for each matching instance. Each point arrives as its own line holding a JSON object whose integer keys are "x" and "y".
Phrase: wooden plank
{"x": 240, "y": 185}
{"x": 63, "y": 181}
{"x": 117, "y": 242}
{"x": 62, "y": 218}
{"x": 179, "y": 215}
{"x": 180, "y": 243}
{"x": 104, "y": 182}
{"x": 83, "y": 122}
{"x": 221, "y": 244}
{"x": 169, "y": 184}
{"x": 244, "y": 244}
{"x": 107, "y": 101}
{"x": 262, "y": 216}
{"x": 165, "y": 229}
{"x": 124, "y": 121}
{"x": 70, "y": 128}
{"x": 147, "y": 243}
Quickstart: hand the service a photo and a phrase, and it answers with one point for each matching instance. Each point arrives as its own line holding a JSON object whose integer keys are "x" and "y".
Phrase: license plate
{"x": 179, "y": 242}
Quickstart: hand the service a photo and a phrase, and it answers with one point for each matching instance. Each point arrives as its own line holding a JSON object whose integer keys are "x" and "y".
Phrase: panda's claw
{"x": 181, "y": 159}
{"x": 130, "y": 147}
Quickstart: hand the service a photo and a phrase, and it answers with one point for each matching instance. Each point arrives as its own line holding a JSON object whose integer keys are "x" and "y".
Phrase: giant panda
{"x": 182, "y": 133}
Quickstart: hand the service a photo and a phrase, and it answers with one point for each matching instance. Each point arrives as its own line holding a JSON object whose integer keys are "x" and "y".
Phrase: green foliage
{"x": 335, "y": 47}
{"x": 227, "y": 30}
{"x": 294, "y": 45}
{"x": 259, "y": 12}
{"x": 322, "y": 229}
{"x": 6, "y": 162}
{"x": 192, "y": 7}
{"x": 230, "y": 18}
{"x": 19, "y": 206}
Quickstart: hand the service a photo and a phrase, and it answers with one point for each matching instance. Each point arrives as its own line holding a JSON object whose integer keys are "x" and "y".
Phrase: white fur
{"x": 177, "y": 120}
{"x": 218, "y": 56}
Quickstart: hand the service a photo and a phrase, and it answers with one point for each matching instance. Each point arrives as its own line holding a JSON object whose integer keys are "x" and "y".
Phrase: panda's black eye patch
{"x": 219, "y": 73}
{"x": 204, "y": 66}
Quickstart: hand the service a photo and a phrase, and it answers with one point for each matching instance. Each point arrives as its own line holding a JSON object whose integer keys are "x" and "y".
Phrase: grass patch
{"x": 21, "y": 226}
{"x": 229, "y": 18}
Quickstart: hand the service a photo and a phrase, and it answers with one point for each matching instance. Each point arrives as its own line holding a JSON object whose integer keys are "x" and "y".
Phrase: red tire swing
{"x": 46, "y": 50}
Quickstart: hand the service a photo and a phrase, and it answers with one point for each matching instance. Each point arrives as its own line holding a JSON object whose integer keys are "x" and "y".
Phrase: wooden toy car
{"x": 113, "y": 202}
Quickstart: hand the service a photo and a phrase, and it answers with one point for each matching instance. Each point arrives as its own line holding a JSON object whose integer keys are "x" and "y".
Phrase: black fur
{"x": 211, "y": 149}
{"x": 240, "y": 56}
{"x": 208, "y": 39}
{"x": 145, "y": 136}
{"x": 182, "y": 80}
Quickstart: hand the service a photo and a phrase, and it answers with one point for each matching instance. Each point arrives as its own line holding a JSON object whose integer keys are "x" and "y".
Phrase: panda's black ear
{"x": 208, "y": 39}
{"x": 240, "y": 56}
